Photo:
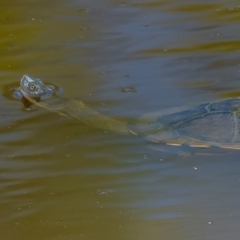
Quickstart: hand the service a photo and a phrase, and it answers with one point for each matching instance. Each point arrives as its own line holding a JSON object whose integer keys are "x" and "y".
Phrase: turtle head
{"x": 32, "y": 88}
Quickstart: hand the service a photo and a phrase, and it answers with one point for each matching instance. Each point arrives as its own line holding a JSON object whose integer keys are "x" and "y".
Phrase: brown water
{"x": 61, "y": 179}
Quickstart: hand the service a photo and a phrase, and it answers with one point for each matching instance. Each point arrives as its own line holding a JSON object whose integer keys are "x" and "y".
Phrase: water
{"x": 61, "y": 179}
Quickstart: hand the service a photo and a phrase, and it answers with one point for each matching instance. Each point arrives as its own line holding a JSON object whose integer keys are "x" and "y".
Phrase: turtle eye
{"x": 32, "y": 87}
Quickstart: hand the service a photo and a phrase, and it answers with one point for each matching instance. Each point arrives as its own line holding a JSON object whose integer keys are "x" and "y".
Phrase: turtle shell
{"x": 206, "y": 125}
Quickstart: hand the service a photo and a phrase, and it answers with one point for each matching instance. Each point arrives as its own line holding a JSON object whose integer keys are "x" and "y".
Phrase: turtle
{"x": 209, "y": 124}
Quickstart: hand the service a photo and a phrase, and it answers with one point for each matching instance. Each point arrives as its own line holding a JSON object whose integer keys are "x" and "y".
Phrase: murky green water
{"x": 61, "y": 179}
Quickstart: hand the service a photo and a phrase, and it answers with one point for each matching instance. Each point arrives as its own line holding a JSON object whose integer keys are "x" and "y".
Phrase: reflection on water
{"x": 61, "y": 179}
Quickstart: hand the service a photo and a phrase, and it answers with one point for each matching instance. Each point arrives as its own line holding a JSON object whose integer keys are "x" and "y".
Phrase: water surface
{"x": 61, "y": 179}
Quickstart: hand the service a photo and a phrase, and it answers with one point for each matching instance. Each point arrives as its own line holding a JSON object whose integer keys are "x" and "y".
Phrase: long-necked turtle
{"x": 208, "y": 124}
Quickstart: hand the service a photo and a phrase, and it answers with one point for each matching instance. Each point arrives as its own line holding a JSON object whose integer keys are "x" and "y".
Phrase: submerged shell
{"x": 206, "y": 125}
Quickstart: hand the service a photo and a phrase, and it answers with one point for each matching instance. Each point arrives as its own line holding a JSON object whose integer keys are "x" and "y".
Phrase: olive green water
{"x": 61, "y": 179}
